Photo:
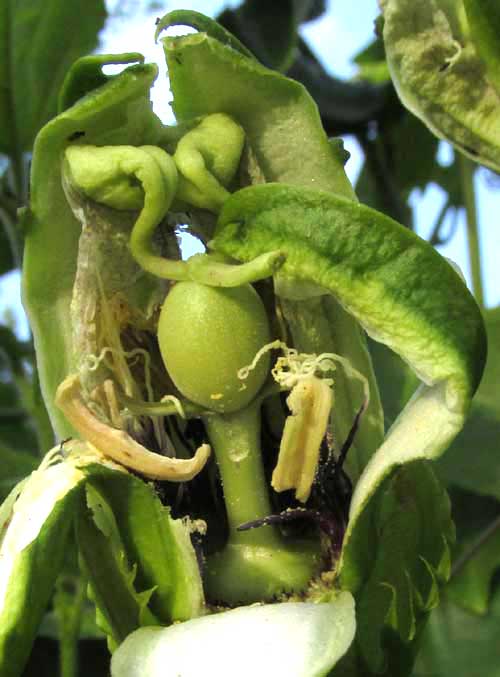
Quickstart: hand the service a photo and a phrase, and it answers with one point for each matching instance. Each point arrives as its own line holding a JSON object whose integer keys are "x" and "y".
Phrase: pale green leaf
{"x": 294, "y": 639}
{"x": 33, "y": 541}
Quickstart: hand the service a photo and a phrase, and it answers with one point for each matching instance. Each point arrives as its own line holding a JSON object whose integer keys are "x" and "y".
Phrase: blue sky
{"x": 337, "y": 36}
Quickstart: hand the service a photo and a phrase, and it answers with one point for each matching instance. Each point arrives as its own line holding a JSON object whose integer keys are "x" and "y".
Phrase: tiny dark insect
{"x": 471, "y": 151}
{"x": 75, "y": 136}
{"x": 444, "y": 67}
{"x": 157, "y": 20}
{"x": 63, "y": 442}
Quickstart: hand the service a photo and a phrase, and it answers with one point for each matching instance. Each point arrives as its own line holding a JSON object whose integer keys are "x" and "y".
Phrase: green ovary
{"x": 206, "y": 336}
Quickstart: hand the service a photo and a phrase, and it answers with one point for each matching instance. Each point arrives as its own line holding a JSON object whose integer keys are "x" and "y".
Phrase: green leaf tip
{"x": 87, "y": 74}
{"x": 202, "y": 24}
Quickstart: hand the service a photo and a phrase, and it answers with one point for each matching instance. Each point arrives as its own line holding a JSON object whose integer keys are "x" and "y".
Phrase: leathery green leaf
{"x": 294, "y": 639}
{"x": 159, "y": 546}
{"x": 440, "y": 77}
{"x": 34, "y": 524}
{"x": 393, "y": 564}
{"x": 395, "y": 284}
{"x": 118, "y": 112}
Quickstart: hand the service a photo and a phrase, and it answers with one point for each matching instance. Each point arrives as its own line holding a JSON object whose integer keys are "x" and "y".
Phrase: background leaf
{"x": 39, "y": 40}
{"x": 14, "y": 466}
{"x": 459, "y": 644}
{"x": 268, "y": 29}
{"x": 477, "y": 554}
{"x": 393, "y": 564}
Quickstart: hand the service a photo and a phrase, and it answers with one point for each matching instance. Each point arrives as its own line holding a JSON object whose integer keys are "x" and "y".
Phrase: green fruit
{"x": 206, "y": 335}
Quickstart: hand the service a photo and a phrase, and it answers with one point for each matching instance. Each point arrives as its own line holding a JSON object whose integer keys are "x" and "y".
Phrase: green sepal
{"x": 35, "y": 521}
{"x": 393, "y": 564}
{"x": 286, "y": 141}
{"x": 295, "y": 639}
{"x": 115, "y": 113}
{"x": 155, "y": 544}
{"x": 440, "y": 77}
{"x": 202, "y": 23}
{"x": 121, "y": 607}
{"x": 86, "y": 74}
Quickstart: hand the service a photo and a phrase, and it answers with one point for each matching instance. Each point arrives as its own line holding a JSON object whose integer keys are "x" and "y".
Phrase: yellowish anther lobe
{"x": 310, "y": 403}
{"x": 118, "y": 445}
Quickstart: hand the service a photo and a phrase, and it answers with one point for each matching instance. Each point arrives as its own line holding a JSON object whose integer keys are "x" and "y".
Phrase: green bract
{"x": 163, "y": 364}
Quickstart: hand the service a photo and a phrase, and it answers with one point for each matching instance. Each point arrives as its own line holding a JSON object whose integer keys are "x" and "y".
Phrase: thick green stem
{"x": 255, "y": 565}
{"x": 467, "y": 177}
{"x": 236, "y": 441}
